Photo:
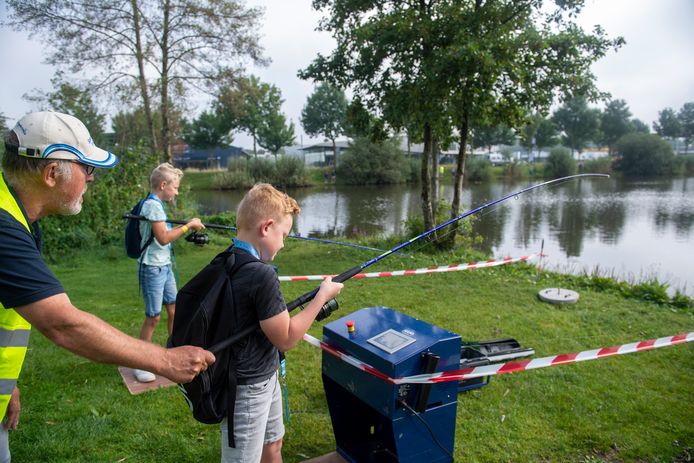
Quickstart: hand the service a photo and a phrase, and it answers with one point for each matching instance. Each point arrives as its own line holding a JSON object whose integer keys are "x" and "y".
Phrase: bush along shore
{"x": 629, "y": 408}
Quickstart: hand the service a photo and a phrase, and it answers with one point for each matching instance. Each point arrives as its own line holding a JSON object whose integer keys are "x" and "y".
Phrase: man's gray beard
{"x": 73, "y": 208}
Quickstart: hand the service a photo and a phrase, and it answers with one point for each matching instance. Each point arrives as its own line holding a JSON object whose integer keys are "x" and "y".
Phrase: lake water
{"x": 633, "y": 230}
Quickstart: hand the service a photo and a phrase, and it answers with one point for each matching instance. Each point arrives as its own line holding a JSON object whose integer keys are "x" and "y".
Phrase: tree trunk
{"x": 334, "y": 156}
{"x": 427, "y": 213}
{"x": 142, "y": 81}
{"x": 463, "y": 128}
{"x": 165, "y": 127}
{"x": 435, "y": 175}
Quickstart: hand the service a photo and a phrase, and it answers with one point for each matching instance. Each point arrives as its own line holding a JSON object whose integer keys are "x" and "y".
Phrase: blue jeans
{"x": 257, "y": 421}
{"x": 4, "y": 445}
{"x": 158, "y": 286}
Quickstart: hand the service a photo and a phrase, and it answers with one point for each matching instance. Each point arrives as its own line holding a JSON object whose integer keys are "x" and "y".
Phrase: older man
{"x": 49, "y": 161}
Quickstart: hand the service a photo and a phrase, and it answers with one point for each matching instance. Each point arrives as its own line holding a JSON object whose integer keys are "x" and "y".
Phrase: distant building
{"x": 210, "y": 158}
{"x": 320, "y": 154}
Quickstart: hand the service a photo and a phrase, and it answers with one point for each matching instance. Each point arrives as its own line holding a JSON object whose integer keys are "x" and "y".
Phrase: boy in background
{"x": 155, "y": 264}
{"x": 264, "y": 219}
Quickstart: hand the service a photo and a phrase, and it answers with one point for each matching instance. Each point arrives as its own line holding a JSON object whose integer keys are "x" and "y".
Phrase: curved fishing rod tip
{"x": 594, "y": 175}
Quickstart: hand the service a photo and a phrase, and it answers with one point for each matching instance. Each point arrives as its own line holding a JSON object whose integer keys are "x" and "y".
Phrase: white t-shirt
{"x": 155, "y": 254}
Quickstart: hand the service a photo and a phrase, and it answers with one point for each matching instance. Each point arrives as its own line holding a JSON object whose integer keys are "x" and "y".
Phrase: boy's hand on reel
{"x": 329, "y": 289}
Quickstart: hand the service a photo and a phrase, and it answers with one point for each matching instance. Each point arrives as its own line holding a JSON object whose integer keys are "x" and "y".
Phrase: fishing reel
{"x": 327, "y": 309}
{"x": 198, "y": 238}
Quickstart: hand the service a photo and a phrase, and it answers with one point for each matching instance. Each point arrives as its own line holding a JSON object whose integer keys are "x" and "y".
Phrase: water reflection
{"x": 631, "y": 229}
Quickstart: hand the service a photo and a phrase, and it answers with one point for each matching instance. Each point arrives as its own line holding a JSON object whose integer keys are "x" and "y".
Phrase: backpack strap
{"x": 231, "y": 267}
{"x": 147, "y": 243}
{"x": 151, "y": 232}
{"x": 231, "y": 398}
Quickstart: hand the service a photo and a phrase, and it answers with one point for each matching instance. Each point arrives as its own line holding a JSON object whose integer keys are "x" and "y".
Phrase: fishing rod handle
{"x": 232, "y": 340}
{"x": 304, "y": 298}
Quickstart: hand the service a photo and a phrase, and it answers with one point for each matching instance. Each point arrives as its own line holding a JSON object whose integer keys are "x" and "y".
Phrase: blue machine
{"x": 375, "y": 421}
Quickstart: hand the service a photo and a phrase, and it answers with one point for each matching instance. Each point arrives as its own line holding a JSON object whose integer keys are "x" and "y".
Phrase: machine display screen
{"x": 391, "y": 341}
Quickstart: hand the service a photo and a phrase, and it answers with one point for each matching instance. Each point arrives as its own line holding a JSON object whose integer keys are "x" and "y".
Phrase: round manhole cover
{"x": 558, "y": 296}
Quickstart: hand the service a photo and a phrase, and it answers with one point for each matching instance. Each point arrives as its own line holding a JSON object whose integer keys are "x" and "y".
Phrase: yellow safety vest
{"x": 14, "y": 330}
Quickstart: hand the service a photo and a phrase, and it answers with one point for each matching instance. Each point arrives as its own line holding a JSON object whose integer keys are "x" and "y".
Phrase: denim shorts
{"x": 257, "y": 421}
{"x": 158, "y": 286}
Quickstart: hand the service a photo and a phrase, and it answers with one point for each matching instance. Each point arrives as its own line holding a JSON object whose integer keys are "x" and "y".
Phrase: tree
{"x": 578, "y": 122}
{"x": 668, "y": 124}
{"x": 434, "y": 65}
{"x": 644, "y": 155}
{"x": 274, "y": 133}
{"x": 686, "y": 118}
{"x": 527, "y": 134}
{"x": 637, "y": 125}
{"x": 546, "y": 135}
{"x": 208, "y": 130}
{"x": 171, "y": 47}
{"x": 132, "y": 129}
{"x": 487, "y": 136}
{"x": 324, "y": 114}
{"x": 244, "y": 104}
{"x": 68, "y": 99}
{"x": 614, "y": 122}
{"x": 361, "y": 123}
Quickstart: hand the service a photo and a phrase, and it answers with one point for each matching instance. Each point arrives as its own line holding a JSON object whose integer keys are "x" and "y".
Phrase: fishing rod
{"x": 331, "y": 305}
{"x": 228, "y": 227}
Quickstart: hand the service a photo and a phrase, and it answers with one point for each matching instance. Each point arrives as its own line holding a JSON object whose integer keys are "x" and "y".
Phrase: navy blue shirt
{"x": 24, "y": 275}
{"x": 257, "y": 297}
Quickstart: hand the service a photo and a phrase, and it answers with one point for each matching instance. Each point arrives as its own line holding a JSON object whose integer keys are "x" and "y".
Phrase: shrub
{"x": 644, "y": 155}
{"x": 477, "y": 170}
{"x": 232, "y": 180}
{"x": 682, "y": 301}
{"x": 599, "y": 166}
{"x": 368, "y": 163}
{"x": 516, "y": 170}
{"x": 227, "y": 219}
{"x": 559, "y": 163}
{"x": 290, "y": 171}
{"x": 261, "y": 170}
{"x": 653, "y": 291}
{"x": 283, "y": 171}
{"x": 414, "y": 226}
{"x": 114, "y": 192}
{"x": 413, "y": 170}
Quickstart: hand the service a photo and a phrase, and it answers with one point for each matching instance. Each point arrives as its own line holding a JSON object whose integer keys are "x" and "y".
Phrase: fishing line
{"x": 490, "y": 210}
{"x": 213, "y": 226}
{"x": 347, "y": 274}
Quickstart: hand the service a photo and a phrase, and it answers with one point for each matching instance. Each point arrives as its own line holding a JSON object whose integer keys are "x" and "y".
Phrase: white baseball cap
{"x": 52, "y": 135}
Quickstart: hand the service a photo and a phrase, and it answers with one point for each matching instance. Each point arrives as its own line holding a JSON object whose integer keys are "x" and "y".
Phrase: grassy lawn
{"x": 632, "y": 408}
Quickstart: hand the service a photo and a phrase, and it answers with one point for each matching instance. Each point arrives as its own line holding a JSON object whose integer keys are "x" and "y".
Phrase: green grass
{"x": 200, "y": 180}
{"x": 632, "y": 408}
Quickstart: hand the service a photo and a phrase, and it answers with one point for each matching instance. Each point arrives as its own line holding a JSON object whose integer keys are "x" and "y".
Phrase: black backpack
{"x": 205, "y": 317}
{"x": 133, "y": 238}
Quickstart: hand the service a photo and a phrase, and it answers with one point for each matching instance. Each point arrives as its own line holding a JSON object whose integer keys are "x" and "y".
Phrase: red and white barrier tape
{"x": 509, "y": 367}
{"x": 420, "y": 271}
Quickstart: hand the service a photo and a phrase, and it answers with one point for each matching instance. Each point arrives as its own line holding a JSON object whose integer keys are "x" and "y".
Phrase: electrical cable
{"x": 426, "y": 425}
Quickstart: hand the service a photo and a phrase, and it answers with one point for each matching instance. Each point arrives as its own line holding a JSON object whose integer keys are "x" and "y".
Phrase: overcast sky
{"x": 654, "y": 70}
